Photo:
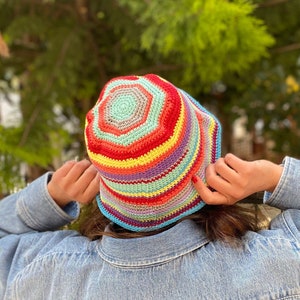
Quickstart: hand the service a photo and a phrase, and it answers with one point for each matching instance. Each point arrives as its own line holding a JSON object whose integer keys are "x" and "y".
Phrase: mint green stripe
{"x": 165, "y": 209}
{"x": 169, "y": 178}
{"x": 138, "y": 133}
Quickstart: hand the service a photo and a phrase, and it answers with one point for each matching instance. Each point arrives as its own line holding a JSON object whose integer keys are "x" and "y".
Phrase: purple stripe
{"x": 168, "y": 161}
{"x": 149, "y": 223}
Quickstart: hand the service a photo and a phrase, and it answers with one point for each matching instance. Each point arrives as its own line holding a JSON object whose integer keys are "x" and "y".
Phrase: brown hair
{"x": 220, "y": 222}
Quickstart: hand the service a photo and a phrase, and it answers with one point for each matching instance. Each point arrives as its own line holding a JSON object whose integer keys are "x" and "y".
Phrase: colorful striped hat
{"x": 147, "y": 139}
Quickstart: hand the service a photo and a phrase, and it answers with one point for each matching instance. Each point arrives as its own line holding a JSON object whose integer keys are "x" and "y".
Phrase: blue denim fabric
{"x": 180, "y": 263}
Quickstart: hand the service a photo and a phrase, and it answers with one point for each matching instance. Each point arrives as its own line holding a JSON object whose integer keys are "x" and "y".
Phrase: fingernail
{"x": 194, "y": 179}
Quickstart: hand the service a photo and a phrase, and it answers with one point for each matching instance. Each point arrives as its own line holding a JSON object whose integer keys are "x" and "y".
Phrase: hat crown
{"x": 148, "y": 138}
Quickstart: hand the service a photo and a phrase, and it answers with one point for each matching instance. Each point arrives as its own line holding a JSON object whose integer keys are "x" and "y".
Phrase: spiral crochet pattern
{"x": 147, "y": 139}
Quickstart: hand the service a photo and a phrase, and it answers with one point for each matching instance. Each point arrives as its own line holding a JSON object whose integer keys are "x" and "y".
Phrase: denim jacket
{"x": 37, "y": 262}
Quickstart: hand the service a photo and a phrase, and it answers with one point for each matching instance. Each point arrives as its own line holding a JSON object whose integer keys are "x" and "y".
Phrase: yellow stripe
{"x": 165, "y": 188}
{"x": 147, "y": 157}
{"x": 149, "y": 215}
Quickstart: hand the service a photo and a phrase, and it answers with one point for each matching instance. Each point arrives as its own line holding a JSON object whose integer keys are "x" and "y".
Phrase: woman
{"x": 152, "y": 236}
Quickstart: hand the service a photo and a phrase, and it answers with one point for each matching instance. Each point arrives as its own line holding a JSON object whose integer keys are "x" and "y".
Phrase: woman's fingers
{"x": 224, "y": 170}
{"x": 216, "y": 181}
{"x": 207, "y": 195}
{"x": 235, "y": 162}
{"x": 231, "y": 178}
{"x": 74, "y": 181}
{"x": 92, "y": 190}
{"x": 86, "y": 186}
{"x": 77, "y": 169}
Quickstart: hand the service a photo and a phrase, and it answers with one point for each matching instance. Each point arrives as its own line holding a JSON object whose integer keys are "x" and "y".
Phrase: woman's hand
{"x": 232, "y": 179}
{"x": 74, "y": 181}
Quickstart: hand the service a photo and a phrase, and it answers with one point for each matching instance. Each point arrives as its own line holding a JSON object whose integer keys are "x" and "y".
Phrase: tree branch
{"x": 288, "y": 48}
{"x": 47, "y": 88}
{"x": 3, "y": 47}
{"x": 272, "y": 3}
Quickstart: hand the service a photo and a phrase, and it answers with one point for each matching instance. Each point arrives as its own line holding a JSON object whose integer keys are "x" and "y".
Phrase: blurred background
{"x": 240, "y": 59}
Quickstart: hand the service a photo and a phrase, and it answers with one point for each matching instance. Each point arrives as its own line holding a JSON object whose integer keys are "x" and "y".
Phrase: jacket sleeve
{"x": 33, "y": 209}
{"x": 286, "y": 197}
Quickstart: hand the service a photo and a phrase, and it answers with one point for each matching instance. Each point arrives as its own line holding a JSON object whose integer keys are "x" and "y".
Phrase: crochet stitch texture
{"x": 147, "y": 138}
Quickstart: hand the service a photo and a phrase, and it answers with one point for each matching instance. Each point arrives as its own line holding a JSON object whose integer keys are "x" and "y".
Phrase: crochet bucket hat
{"x": 147, "y": 139}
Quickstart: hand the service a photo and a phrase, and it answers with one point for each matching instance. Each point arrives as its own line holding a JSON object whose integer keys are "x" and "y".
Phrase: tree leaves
{"x": 63, "y": 52}
{"x": 209, "y": 39}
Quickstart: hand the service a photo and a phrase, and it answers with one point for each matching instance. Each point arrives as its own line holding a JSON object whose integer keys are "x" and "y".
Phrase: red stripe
{"x": 106, "y": 127}
{"x": 150, "y": 223}
{"x": 168, "y": 194}
{"x": 167, "y": 122}
{"x": 143, "y": 145}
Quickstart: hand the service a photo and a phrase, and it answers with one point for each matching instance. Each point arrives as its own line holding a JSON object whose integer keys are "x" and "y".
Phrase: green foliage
{"x": 270, "y": 90}
{"x": 62, "y": 52}
{"x": 10, "y": 163}
{"x": 10, "y": 174}
{"x": 209, "y": 39}
{"x": 273, "y": 97}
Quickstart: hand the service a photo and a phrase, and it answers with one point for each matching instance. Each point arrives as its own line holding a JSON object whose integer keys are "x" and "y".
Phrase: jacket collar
{"x": 183, "y": 238}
